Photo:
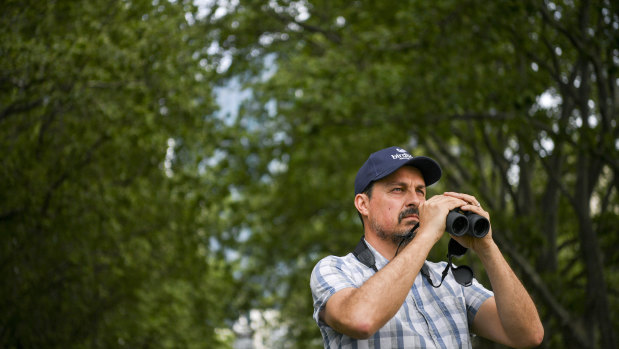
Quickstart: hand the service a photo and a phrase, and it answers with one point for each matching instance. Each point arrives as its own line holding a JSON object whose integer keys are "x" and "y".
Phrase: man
{"x": 390, "y": 304}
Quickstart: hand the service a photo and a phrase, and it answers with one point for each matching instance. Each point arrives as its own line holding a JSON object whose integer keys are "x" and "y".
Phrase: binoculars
{"x": 464, "y": 222}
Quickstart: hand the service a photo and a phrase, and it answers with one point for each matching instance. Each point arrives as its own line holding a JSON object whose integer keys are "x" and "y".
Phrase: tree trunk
{"x": 597, "y": 309}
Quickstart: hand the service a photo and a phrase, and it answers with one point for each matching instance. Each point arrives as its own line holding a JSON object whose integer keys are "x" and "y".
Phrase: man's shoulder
{"x": 345, "y": 266}
{"x": 334, "y": 273}
{"x": 335, "y": 261}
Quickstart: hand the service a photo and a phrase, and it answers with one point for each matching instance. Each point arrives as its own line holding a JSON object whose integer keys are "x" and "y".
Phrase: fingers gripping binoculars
{"x": 464, "y": 222}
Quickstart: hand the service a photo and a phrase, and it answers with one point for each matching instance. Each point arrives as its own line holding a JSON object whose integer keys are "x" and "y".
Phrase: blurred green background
{"x": 172, "y": 170}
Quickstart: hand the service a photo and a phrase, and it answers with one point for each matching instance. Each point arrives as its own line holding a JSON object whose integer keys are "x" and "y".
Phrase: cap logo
{"x": 402, "y": 156}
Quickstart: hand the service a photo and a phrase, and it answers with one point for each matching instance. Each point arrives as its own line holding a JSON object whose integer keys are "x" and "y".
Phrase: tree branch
{"x": 331, "y": 36}
{"x": 568, "y": 324}
{"x": 17, "y": 108}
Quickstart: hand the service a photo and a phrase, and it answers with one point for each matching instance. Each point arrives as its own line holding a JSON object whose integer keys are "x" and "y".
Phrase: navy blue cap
{"x": 386, "y": 161}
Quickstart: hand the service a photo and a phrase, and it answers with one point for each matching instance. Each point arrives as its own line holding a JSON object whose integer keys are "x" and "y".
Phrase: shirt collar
{"x": 380, "y": 260}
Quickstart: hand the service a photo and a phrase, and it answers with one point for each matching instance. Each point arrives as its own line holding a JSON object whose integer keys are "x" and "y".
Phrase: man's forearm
{"x": 515, "y": 307}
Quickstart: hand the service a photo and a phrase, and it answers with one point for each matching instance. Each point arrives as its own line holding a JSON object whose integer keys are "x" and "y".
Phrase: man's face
{"x": 393, "y": 206}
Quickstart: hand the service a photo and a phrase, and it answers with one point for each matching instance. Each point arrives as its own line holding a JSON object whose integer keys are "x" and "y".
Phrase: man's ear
{"x": 362, "y": 202}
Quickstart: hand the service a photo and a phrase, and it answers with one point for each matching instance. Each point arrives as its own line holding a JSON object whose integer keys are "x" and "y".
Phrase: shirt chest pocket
{"x": 451, "y": 306}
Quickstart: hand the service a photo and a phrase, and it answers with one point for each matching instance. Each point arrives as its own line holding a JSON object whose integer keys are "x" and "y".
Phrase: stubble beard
{"x": 398, "y": 235}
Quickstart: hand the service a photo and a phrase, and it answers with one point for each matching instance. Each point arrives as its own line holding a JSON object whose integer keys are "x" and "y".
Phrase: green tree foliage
{"x": 460, "y": 81}
{"x": 105, "y": 219}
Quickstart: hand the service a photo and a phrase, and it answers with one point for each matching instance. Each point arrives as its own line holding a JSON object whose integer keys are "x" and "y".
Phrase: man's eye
{"x": 397, "y": 189}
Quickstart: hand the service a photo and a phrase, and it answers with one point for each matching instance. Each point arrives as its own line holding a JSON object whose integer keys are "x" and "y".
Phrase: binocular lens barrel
{"x": 460, "y": 223}
{"x": 478, "y": 225}
{"x": 457, "y": 223}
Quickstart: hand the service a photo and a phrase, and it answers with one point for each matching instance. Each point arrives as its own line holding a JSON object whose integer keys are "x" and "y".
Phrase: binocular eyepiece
{"x": 464, "y": 222}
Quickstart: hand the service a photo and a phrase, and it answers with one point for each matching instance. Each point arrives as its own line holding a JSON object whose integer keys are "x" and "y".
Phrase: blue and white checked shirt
{"x": 429, "y": 318}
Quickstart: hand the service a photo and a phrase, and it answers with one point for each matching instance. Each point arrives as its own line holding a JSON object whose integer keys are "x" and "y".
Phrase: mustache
{"x": 407, "y": 212}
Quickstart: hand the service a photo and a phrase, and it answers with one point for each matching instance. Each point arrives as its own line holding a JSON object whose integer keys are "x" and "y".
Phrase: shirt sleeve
{"x": 475, "y": 295}
{"x": 329, "y": 276}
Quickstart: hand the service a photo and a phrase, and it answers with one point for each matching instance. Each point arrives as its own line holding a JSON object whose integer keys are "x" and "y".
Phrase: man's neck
{"x": 386, "y": 248}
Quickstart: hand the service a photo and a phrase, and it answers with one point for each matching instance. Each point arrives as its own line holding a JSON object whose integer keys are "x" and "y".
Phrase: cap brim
{"x": 429, "y": 168}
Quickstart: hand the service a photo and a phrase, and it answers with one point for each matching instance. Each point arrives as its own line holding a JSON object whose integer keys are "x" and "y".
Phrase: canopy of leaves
{"x": 104, "y": 218}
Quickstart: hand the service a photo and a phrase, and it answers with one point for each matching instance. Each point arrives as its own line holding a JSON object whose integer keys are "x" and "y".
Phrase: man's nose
{"x": 412, "y": 199}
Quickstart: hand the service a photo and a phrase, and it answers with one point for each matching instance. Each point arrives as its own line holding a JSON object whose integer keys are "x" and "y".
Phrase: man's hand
{"x": 433, "y": 214}
{"x": 471, "y": 204}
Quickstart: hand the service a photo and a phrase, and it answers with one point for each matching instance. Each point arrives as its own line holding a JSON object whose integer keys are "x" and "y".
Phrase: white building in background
{"x": 260, "y": 329}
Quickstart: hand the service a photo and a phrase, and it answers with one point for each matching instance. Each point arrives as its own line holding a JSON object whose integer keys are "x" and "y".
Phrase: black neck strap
{"x": 365, "y": 256}
{"x": 363, "y": 253}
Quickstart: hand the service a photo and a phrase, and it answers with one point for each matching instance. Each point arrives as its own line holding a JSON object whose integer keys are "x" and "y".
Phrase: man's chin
{"x": 409, "y": 224}
{"x": 406, "y": 233}
{"x": 398, "y": 237}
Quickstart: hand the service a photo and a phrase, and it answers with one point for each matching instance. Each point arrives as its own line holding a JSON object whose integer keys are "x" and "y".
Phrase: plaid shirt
{"x": 429, "y": 318}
